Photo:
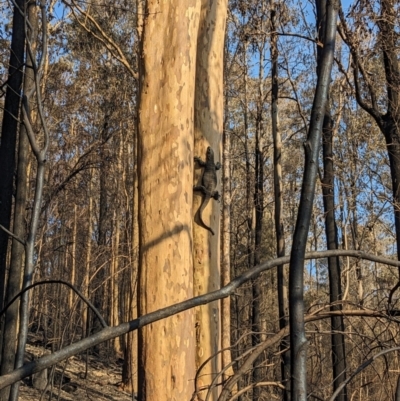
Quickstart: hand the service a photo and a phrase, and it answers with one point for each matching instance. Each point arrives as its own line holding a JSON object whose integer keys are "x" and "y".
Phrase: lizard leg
{"x": 199, "y": 161}
{"x": 215, "y": 195}
{"x": 201, "y": 188}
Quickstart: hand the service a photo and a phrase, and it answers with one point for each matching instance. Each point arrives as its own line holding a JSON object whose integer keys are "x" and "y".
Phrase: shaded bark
{"x": 328, "y": 191}
{"x": 298, "y": 339}
{"x": 14, "y": 281}
{"x": 278, "y": 198}
{"x": 259, "y": 326}
{"x": 39, "y": 150}
{"x": 9, "y": 133}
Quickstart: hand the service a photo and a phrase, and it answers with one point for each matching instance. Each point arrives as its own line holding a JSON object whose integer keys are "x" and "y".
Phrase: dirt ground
{"x": 102, "y": 381}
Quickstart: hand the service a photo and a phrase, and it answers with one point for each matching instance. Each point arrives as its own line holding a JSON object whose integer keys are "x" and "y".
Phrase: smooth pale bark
{"x": 165, "y": 172}
{"x": 208, "y": 132}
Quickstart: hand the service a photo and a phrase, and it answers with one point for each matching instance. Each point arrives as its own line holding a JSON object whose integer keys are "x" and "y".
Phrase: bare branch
{"x": 80, "y": 295}
{"x": 109, "y": 333}
{"x": 103, "y": 38}
{"x": 12, "y": 235}
{"x": 361, "y": 368}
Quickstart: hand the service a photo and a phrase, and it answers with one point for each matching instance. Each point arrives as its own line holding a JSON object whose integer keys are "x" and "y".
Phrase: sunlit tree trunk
{"x": 208, "y": 132}
{"x": 165, "y": 173}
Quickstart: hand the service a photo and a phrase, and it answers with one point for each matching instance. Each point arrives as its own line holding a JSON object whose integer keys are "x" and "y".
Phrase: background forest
{"x": 70, "y": 196}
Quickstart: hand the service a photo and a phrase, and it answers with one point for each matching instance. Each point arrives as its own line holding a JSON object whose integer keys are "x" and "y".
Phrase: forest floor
{"x": 74, "y": 380}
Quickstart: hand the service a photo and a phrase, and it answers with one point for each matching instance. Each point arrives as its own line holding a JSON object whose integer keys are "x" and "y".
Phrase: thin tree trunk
{"x": 115, "y": 279}
{"x": 100, "y": 282}
{"x": 9, "y": 134}
{"x": 19, "y": 228}
{"x": 88, "y": 256}
{"x": 71, "y": 295}
{"x": 226, "y": 356}
{"x": 39, "y": 149}
{"x": 278, "y": 198}
{"x": 130, "y": 366}
{"x": 259, "y": 324}
{"x": 298, "y": 339}
{"x": 328, "y": 192}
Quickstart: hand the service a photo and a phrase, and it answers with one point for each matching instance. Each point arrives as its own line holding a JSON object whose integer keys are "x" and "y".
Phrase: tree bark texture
{"x": 165, "y": 169}
{"x": 208, "y": 128}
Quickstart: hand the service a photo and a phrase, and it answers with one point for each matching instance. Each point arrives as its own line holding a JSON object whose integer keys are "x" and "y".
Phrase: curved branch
{"x": 73, "y": 288}
{"x": 248, "y": 363}
{"x": 109, "y": 333}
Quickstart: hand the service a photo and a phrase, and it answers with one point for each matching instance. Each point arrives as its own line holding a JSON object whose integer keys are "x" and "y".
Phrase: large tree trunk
{"x": 335, "y": 290}
{"x": 165, "y": 166}
{"x": 9, "y": 134}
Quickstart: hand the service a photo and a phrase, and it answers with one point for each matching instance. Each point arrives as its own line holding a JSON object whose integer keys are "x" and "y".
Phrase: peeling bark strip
{"x": 165, "y": 180}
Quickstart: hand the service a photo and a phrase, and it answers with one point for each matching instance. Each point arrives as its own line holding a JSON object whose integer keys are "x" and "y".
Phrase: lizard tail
{"x": 202, "y": 207}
